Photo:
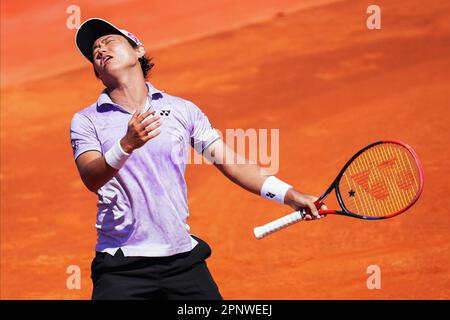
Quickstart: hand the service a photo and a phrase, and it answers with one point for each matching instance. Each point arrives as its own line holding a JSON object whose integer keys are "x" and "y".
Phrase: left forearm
{"x": 248, "y": 176}
{"x": 237, "y": 168}
{"x": 252, "y": 177}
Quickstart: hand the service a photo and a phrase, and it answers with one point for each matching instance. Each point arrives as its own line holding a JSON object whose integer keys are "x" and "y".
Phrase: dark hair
{"x": 145, "y": 61}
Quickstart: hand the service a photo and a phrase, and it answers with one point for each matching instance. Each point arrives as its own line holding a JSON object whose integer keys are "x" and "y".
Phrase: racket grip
{"x": 283, "y": 222}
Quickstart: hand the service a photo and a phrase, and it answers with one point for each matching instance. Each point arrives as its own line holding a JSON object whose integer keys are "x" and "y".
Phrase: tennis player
{"x": 129, "y": 147}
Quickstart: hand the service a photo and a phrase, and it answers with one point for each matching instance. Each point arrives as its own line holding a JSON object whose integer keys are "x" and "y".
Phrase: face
{"x": 113, "y": 54}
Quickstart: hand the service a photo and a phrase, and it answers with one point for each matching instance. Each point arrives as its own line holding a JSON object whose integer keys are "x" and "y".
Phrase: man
{"x": 129, "y": 149}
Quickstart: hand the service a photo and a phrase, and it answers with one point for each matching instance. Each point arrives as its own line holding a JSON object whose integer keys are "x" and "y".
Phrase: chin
{"x": 112, "y": 70}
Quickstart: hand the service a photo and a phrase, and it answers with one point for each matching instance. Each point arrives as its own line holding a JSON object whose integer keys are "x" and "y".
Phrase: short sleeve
{"x": 83, "y": 136}
{"x": 202, "y": 132}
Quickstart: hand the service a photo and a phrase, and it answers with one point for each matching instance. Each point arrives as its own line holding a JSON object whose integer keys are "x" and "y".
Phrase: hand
{"x": 139, "y": 132}
{"x": 298, "y": 200}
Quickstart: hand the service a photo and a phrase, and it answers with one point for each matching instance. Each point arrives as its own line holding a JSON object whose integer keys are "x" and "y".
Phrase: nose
{"x": 101, "y": 51}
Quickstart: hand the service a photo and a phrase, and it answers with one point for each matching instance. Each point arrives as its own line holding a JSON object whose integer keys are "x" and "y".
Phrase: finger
{"x": 148, "y": 122}
{"x": 308, "y": 217}
{"x": 151, "y": 135}
{"x": 313, "y": 209}
{"x": 145, "y": 114}
{"x": 134, "y": 116}
{"x": 323, "y": 207}
{"x": 152, "y": 127}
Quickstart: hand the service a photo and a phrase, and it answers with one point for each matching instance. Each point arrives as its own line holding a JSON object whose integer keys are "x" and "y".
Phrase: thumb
{"x": 313, "y": 209}
{"x": 134, "y": 115}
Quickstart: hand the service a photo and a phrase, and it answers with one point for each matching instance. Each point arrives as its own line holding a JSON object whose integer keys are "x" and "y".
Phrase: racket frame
{"x": 335, "y": 185}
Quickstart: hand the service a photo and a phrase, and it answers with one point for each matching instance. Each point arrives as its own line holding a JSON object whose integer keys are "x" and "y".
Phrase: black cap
{"x": 94, "y": 28}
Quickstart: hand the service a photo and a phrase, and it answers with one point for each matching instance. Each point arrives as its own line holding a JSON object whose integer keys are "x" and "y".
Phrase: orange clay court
{"x": 310, "y": 68}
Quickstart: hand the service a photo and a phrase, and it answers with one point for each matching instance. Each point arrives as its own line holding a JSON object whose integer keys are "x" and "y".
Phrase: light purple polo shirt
{"x": 143, "y": 208}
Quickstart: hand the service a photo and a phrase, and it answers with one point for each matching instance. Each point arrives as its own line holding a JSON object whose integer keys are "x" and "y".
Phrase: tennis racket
{"x": 380, "y": 181}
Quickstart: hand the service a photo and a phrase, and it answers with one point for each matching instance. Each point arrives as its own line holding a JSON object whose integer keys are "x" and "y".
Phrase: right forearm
{"x": 97, "y": 170}
{"x": 97, "y": 173}
{"x": 102, "y": 169}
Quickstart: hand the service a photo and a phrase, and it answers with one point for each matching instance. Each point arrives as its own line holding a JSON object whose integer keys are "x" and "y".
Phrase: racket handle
{"x": 283, "y": 222}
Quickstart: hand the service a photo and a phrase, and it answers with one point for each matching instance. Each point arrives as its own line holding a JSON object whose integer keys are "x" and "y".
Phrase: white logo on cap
{"x": 131, "y": 36}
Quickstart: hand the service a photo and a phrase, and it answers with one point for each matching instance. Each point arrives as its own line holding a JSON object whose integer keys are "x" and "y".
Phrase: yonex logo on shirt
{"x": 164, "y": 113}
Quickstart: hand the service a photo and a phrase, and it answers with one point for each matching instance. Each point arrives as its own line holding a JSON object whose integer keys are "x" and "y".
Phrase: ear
{"x": 140, "y": 51}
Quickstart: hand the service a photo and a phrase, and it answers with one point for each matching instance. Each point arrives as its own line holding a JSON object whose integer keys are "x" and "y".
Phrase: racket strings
{"x": 381, "y": 181}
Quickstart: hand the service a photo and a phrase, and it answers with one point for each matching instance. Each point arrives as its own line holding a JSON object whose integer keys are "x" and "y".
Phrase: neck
{"x": 130, "y": 92}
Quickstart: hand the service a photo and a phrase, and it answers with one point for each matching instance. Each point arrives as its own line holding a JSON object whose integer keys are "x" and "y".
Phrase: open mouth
{"x": 106, "y": 59}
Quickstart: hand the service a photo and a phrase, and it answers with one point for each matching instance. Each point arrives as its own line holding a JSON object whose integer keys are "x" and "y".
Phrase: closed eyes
{"x": 95, "y": 53}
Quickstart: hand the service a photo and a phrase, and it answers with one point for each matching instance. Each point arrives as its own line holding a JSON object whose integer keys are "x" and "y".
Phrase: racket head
{"x": 380, "y": 181}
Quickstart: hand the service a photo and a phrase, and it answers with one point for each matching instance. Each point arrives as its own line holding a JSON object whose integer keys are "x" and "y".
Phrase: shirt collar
{"x": 105, "y": 99}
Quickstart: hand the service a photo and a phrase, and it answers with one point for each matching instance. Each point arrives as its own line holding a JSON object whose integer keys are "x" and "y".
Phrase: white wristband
{"x": 274, "y": 189}
{"x": 115, "y": 156}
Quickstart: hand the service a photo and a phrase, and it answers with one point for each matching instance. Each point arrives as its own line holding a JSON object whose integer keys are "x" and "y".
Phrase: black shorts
{"x": 178, "y": 277}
